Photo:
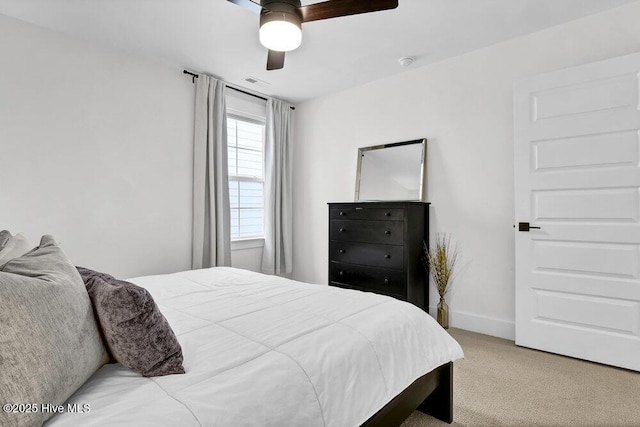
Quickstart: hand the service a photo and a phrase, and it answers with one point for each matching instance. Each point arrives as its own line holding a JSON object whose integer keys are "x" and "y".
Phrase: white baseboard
{"x": 481, "y": 324}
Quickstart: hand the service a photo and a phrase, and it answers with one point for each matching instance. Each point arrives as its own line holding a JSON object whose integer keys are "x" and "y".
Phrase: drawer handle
{"x": 386, "y": 281}
{"x": 341, "y": 273}
{"x": 343, "y": 213}
{"x": 342, "y": 230}
{"x": 387, "y": 256}
{"x": 341, "y": 251}
{"x": 387, "y": 231}
{"x": 387, "y": 214}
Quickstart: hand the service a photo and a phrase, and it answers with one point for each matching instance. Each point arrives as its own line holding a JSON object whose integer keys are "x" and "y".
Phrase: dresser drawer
{"x": 385, "y": 256}
{"x": 385, "y": 232}
{"x": 367, "y": 213}
{"x": 389, "y": 282}
{"x": 359, "y": 288}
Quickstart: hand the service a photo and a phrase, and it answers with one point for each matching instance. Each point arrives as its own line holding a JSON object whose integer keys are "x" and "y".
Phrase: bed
{"x": 210, "y": 347}
{"x": 267, "y": 351}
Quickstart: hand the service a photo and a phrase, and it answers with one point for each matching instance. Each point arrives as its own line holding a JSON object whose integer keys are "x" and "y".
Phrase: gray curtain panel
{"x": 211, "y": 235}
{"x": 277, "y": 253}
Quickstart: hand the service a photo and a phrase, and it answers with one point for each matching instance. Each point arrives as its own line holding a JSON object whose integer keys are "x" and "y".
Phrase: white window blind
{"x": 245, "y": 140}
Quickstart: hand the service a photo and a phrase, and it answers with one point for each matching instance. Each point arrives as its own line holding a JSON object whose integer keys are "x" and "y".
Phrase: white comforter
{"x": 266, "y": 351}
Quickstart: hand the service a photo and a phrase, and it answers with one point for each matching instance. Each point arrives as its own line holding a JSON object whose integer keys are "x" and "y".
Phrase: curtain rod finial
{"x": 193, "y": 75}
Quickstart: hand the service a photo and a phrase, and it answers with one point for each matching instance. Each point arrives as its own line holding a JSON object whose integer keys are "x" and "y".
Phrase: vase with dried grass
{"x": 441, "y": 259}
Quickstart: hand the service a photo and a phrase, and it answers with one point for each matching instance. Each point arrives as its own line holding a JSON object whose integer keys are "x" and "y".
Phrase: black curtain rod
{"x": 195, "y": 76}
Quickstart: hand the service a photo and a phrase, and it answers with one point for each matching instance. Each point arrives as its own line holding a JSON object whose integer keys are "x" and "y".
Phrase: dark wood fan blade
{"x": 253, "y": 6}
{"x": 337, "y": 8}
{"x": 275, "y": 60}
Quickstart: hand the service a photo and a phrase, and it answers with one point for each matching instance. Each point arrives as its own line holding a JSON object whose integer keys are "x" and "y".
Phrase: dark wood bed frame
{"x": 432, "y": 394}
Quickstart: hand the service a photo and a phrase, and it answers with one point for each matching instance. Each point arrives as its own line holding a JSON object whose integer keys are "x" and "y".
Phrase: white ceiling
{"x": 220, "y": 38}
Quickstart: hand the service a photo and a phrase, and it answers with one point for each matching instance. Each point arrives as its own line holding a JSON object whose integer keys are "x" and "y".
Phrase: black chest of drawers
{"x": 376, "y": 247}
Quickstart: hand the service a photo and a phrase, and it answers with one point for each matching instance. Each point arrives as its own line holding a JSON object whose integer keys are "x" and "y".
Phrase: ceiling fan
{"x": 281, "y": 20}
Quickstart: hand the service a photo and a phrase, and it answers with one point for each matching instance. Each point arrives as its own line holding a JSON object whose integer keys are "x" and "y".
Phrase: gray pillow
{"x": 137, "y": 335}
{"x": 4, "y": 236}
{"x": 50, "y": 343}
{"x": 14, "y": 247}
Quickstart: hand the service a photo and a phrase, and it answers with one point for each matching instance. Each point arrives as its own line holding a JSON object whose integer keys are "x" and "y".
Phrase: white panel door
{"x": 577, "y": 177}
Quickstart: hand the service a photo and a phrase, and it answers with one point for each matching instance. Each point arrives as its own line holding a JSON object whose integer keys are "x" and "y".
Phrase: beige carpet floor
{"x": 500, "y": 384}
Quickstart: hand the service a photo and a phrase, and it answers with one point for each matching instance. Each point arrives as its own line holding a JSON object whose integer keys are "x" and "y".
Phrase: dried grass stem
{"x": 442, "y": 258}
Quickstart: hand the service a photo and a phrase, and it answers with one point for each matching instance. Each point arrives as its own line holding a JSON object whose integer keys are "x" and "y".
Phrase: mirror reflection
{"x": 391, "y": 171}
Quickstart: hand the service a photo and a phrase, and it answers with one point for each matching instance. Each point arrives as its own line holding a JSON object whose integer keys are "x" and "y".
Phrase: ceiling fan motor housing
{"x": 287, "y": 18}
{"x": 281, "y": 11}
{"x": 267, "y": 4}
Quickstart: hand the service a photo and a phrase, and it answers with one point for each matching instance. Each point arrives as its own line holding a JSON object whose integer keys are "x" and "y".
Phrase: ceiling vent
{"x": 257, "y": 82}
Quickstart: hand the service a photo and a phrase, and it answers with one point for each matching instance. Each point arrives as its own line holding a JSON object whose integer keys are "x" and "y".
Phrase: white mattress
{"x": 266, "y": 351}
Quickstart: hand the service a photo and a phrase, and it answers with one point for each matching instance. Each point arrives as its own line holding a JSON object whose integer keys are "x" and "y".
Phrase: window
{"x": 245, "y": 139}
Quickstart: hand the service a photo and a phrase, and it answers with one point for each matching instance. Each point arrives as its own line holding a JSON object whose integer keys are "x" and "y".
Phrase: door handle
{"x": 524, "y": 226}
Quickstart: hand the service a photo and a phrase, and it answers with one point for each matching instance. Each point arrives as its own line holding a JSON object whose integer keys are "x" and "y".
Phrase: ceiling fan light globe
{"x": 282, "y": 36}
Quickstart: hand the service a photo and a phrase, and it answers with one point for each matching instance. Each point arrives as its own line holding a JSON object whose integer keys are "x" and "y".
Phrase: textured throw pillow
{"x": 14, "y": 247}
{"x": 49, "y": 341}
{"x": 137, "y": 334}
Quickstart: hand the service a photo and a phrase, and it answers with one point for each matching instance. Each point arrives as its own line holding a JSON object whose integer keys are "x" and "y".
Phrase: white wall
{"x": 96, "y": 149}
{"x": 464, "y": 107}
